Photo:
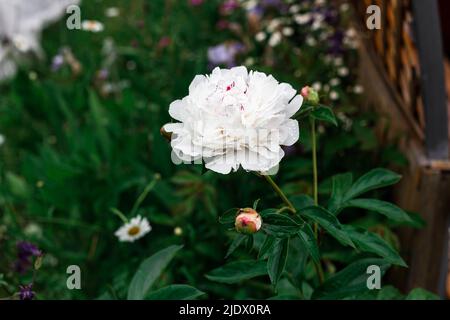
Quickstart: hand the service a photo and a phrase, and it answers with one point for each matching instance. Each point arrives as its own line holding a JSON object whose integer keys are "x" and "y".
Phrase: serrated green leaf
{"x": 238, "y": 271}
{"x": 149, "y": 270}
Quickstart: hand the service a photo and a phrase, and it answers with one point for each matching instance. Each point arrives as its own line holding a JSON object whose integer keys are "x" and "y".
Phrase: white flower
{"x": 334, "y": 95}
{"x": 288, "y": 31}
{"x": 133, "y": 230}
{"x": 294, "y": 9}
{"x": 92, "y": 26}
{"x": 335, "y": 82}
{"x": 310, "y": 41}
{"x": 2, "y": 139}
{"x": 260, "y": 36}
{"x": 358, "y": 89}
{"x": 302, "y": 19}
{"x": 112, "y": 12}
{"x": 21, "y": 23}
{"x": 235, "y": 118}
{"x": 275, "y": 39}
{"x": 317, "y": 86}
{"x": 273, "y": 25}
{"x": 343, "y": 71}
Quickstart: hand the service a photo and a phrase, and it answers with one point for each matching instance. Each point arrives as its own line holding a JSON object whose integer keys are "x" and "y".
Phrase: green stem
{"x": 119, "y": 214}
{"x": 144, "y": 194}
{"x": 314, "y": 160}
{"x": 280, "y": 193}
{"x": 318, "y": 266}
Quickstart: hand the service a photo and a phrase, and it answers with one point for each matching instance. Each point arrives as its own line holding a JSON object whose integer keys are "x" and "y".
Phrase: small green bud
{"x": 310, "y": 95}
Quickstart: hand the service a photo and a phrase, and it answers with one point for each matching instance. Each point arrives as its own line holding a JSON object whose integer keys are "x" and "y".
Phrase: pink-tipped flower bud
{"x": 310, "y": 95}
{"x": 248, "y": 221}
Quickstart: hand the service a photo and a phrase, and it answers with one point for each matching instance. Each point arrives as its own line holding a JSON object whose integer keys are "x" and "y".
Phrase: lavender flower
{"x": 26, "y": 292}
{"x": 224, "y": 54}
{"x": 57, "y": 62}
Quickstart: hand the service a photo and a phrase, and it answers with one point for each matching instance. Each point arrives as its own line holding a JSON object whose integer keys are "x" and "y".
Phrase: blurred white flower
{"x": 294, "y": 9}
{"x": 275, "y": 39}
{"x": 273, "y": 25}
{"x": 112, "y": 12}
{"x": 310, "y": 41}
{"x": 21, "y": 23}
{"x": 260, "y": 36}
{"x": 344, "y": 7}
{"x": 287, "y": 31}
{"x": 302, "y": 19}
{"x": 234, "y": 118}
{"x": 358, "y": 89}
{"x": 334, "y": 95}
{"x": 338, "y": 61}
{"x": 92, "y": 26}
{"x": 135, "y": 229}
{"x": 2, "y": 139}
{"x": 335, "y": 82}
{"x": 317, "y": 86}
{"x": 343, "y": 71}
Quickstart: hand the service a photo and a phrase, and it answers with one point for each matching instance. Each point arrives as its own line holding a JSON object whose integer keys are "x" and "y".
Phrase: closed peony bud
{"x": 248, "y": 221}
{"x": 311, "y": 95}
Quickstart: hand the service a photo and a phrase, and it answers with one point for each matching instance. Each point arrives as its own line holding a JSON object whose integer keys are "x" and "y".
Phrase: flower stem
{"x": 119, "y": 214}
{"x": 280, "y": 193}
{"x": 144, "y": 194}
{"x": 314, "y": 160}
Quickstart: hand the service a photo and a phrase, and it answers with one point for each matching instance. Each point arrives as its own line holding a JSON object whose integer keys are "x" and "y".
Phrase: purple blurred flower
{"x": 195, "y": 2}
{"x": 25, "y": 250}
{"x": 224, "y": 54}
{"x": 228, "y": 6}
{"x": 26, "y": 292}
{"x": 103, "y": 74}
{"x": 222, "y": 24}
{"x": 335, "y": 43}
{"x": 57, "y": 62}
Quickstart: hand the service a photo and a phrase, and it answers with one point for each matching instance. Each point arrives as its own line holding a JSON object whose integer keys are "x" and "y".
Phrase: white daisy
{"x": 275, "y": 39}
{"x": 135, "y": 229}
{"x": 92, "y": 26}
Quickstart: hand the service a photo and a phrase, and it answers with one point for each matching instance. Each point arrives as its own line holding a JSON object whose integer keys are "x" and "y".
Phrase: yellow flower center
{"x": 134, "y": 230}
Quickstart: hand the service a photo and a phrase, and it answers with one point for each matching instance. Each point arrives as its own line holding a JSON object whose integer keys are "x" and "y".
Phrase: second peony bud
{"x": 310, "y": 95}
{"x": 248, "y": 221}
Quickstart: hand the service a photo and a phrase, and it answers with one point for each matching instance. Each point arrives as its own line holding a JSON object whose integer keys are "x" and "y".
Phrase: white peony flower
{"x": 21, "y": 23}
{"x": 234, "y": 118}
{"x": 133, "y": 230}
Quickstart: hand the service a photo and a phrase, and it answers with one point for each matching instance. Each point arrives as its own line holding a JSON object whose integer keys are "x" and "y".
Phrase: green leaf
{"x": 375, "y": 179}
{"x": 149, "y": 270}
{"x": 266, "y": 247}
{"x": 329, "y": 222}
{"x": 340, "y": 184}
{"x": 302, "y": 201}
{"x": 421, "y": 294}
{"x": 237, "y": 241}
{"x": 385, "y": 208}
{"x": 175, "y": 292}
{"x": 350, "y": 281}
{"x": 238, "y": 271}
{"x": 325, "y": 114}
{"x": 279, "y": 225}
{"x": 306, "y": 235}
{"x": 370, "y": 242}
{"x": 277, "y": 260}
{"x": 255, "y": 204}
{"x": 229, "y": 216}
